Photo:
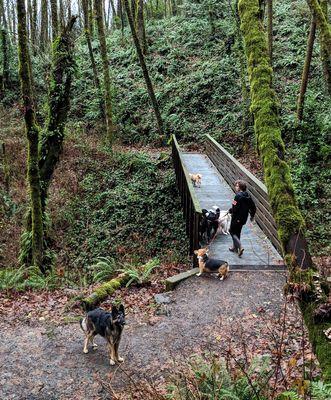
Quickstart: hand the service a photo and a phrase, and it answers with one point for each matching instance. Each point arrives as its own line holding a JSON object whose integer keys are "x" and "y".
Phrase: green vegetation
{"x": 217, "y": 380}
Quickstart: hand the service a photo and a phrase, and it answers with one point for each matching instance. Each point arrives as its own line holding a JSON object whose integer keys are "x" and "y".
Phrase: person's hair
{"x": 242, "y": 185}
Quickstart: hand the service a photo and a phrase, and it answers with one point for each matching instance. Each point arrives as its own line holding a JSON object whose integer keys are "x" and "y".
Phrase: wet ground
{"x": 44, "y": 360}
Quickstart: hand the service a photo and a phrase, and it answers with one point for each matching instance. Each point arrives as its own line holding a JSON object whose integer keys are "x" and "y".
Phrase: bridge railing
{"x": 231, "y": 170}
{"x": 190, "y": 204}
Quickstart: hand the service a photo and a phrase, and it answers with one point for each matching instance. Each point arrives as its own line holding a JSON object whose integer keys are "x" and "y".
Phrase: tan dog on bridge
{"x": 196, "y": 179}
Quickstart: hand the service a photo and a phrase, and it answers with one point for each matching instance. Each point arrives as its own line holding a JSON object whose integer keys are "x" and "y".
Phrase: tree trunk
{"x": 322, "y": 24}
{"x": 61, "y": 14}
{"x": 326, "y": 59}
{"x": 306, "y": 67}
{"x": 91, "y": 18}
{"x": 145, "y": 72}
{"x": 32, "y": 132}
{"x": 58, "y": 107}
{"x": 134, "y": 12}
{"x": 13, "y": 15}
{"x": 55, "y": 24}
{"x": 69, "y": 9}
{"x": 106, "y": 77}
{"x": 5, "y": 64}
{"x": 3, "y": 19}
{"x": 270, "y": 35}
{"x": 44, "y": 25}
{"x": 290, "y": 224}
{"x": 34, "y": 25}
{"x": 120, "y": 13}
{"x": 90, "y": 49}
{"x": 141, "y": 27}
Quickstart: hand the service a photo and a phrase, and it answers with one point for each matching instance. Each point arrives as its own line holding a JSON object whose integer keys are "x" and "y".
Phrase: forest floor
{"x": 241, "y": 318}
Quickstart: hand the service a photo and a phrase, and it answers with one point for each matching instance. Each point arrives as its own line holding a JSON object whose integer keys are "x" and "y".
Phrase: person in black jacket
{"x": 242, "y": 205}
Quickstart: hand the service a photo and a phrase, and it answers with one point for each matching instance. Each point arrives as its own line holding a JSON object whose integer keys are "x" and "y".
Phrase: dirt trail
{"x": 40, "y": 360}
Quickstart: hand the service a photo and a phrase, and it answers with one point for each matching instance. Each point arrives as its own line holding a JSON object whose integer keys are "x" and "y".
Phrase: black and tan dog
{"x": 207, "y": 264}
{"x": 109, "y": 325}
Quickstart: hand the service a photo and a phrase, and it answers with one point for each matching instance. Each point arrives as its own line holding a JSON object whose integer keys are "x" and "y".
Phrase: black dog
{"x": 209, "y": 224}
{"x": 109, "y": 325}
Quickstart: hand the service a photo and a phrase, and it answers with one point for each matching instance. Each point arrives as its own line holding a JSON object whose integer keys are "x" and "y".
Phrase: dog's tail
{"x": 83, "y": 324}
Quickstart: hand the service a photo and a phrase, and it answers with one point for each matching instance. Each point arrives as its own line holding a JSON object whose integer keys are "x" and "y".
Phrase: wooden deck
{"x": 259, "y": 253}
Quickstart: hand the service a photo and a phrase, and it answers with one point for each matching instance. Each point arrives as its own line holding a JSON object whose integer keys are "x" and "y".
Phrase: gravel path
{"x": 40, "y": 360}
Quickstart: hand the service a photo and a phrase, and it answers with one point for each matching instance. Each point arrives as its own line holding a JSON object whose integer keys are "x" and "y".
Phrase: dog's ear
{"x": 204, "y": 211}
{"x": 121, "y": 309}
{"x": 114, "y": 312}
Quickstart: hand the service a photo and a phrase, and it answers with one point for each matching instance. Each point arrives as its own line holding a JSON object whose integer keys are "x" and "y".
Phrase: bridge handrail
{"x": 231, "y": 170}
{"x": 190, "y": 203}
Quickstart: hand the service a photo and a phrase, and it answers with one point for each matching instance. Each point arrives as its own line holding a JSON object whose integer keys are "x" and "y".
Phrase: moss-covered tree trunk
{"x": 110, "y": 129}
{"x": 322, "y": 24}
{"x": 63, "y": 66}
{"x": 32, "y": 133}
{"x": 287, "y": 215}
{"x": 325, "y": 57}
{"x": 270, "y": 28}
{"x": 55, "y": 23}
{"x": 103, "y": 291}
{"x": 53, "y": 135}
{"x": 145, "y": 71}
{"x": 306, "y": 67}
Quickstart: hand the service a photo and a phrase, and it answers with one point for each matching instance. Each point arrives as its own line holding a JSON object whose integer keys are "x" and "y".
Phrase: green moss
{"x": 264, "y": 107}
{"x": 103, "y": 291}
{"x": 321, "y": 345}
{"x": 322, "y": 24}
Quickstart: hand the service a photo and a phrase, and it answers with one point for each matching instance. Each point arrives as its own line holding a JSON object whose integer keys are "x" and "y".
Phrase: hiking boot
{"x": 233, "y": 249}
{"x": 240, "y": 252}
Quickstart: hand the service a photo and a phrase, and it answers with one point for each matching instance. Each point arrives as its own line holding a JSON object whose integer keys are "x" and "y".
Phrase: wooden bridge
{"x": 219, "y": 171}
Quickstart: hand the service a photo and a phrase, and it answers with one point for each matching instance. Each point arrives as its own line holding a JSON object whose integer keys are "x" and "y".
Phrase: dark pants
{"x": 235, "y": 232}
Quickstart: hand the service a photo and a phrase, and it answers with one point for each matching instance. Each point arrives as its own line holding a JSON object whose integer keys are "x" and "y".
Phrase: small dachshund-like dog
{"x": 109, "y": 325}
{"x": 196, "y": 179}
{"x": 207, "y": 264}
{"x": 209, "y": 223}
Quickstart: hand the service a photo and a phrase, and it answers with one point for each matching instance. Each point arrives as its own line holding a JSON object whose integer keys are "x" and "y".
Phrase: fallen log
{"x": 102, "y": 292}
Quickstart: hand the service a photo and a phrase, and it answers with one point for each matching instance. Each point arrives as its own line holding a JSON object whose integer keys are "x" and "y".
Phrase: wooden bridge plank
{"x": 259, "y": 252}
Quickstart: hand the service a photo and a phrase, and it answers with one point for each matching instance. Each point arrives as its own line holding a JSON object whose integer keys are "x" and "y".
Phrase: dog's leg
{"x": 88, "y": 337}
{"x": 118, "y": 358}
{"x": 200, "y": 271}
{"x": 94, "y": 345}
{"x": 111, "y": 354}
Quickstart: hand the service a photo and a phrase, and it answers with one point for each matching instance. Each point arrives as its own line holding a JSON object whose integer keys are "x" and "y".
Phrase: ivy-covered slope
{"x": 195, "y": 64}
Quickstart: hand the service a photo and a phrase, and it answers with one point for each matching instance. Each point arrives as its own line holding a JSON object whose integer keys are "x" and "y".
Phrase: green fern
{"x": 12, "y": 279}
{"x": 103, "y": 269}
{"x": 140, "y": 274}
{"x": 321, "y": 390}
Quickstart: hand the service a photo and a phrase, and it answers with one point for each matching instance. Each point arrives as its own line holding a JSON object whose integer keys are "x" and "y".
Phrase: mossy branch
{"x": 103, "y": 291}
{"x": 322, "y": 24}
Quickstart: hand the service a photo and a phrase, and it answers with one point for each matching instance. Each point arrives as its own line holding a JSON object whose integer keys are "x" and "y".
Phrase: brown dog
{"x": 196, "y": 179}
{"x": 109, "y": 325}
{"x": 207, "y": 264}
